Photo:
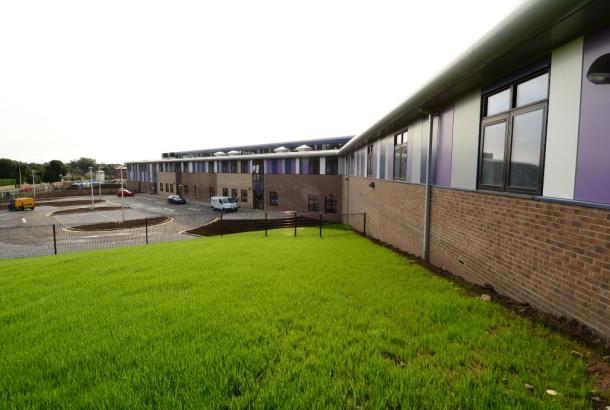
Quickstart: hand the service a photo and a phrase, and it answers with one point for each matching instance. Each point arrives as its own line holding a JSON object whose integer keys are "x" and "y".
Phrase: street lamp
{"x": 34, "y": 183}
{"x": 122, "y": 195}
{"x": 91, "y": 183}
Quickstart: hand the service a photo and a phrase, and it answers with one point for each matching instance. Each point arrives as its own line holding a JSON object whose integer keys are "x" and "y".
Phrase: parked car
{"x": 22, "y": 204}
{"x": 224, "y": 203}
{"x": 124, "y": 193}
{"x": 176, "y": 199}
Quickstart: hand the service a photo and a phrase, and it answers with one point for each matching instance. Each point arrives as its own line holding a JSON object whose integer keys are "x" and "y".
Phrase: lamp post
{"x": 34, "y": 183}
{"x": 122, "y": 196}
{"x": 99, "y": 184}
{"x": 91, "y": 183}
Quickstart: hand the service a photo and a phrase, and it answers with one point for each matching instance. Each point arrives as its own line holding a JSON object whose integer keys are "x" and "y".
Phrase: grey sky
{"x": 127, "y": 80}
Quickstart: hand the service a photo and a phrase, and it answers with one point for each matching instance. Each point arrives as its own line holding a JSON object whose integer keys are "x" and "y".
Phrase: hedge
{"x": 5, "y": 182}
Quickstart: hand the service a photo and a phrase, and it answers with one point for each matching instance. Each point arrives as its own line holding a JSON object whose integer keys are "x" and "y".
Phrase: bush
{"x": 6, "y": 182}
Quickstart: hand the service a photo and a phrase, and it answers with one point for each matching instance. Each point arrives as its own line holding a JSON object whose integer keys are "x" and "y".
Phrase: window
{"x": 225, "y": 192}
{"x": 195, "y": 190}
{"x": 314, "y": 203}
{"x": 233, "y": 167}
{"x": 273, "y": 198}
{"x": 244, "y": 166}
{"x": 401, "y": 141}
{"x": 332, "y": 166}
{"x": 314, "y": 166}
{"x": 330, "y": 204}
{"x": 369, "y": 161}
{"x": 244, "y": 195}
{"x": 171, "y": 187}
{"x": 186, "y": 189}
{"x": 211, "y": 167}
{"x": 513, "y": 132}
{"x": 212, "y": 191}
{"x": 161, "y": 186}
{"x": 166, "y": 187}
{"x": 234, "y": 193}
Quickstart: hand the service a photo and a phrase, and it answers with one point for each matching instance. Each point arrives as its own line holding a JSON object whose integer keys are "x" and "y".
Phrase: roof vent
{"x": 302, "y": 148}
{"x": 219, "y": 154}
{"x": 281, "y": 149}
{"x": 234, "y": 152}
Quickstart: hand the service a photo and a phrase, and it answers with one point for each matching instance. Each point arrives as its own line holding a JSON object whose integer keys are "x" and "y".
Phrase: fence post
{"x": 146, "y": 220}
{"x": 320, "y": 224}
{"x": 54, "y": 240}
{"x": 266, "y": 226}
{"x": 294, "y": 220}
{"x": 364, "y": 228}
{"x": 221, "y": 223}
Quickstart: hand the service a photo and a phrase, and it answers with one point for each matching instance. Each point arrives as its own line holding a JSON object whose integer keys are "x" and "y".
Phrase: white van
{"x": 224, "y": 203}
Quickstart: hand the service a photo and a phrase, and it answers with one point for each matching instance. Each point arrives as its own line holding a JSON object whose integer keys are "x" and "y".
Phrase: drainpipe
{"x": 426, "y": 252}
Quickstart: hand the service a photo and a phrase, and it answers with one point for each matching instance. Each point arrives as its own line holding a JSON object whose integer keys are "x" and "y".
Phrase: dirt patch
{"x": 130, "y": 224}
{"x": 86, "y": 210}
{"x": 68, "y": 203}
{"x": 597, "y": 356}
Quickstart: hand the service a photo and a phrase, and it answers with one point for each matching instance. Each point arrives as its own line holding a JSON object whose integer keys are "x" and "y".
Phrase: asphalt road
{"x": 30, "y": 233}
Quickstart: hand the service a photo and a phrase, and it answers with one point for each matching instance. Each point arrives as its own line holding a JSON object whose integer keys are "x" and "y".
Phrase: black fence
{"x": 225, "y": 224}
{"x": 29, "y": 241}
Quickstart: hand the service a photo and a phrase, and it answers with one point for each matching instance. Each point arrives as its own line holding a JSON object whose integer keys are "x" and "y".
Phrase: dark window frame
{"x": 508, "y": 117}
{"x": 331, "y": 166}
{"x": 244, "y": 195}
{"x": 225, "y": 192}
{"x": 402, "y": 148}
{"x": 313, "y": 203}
{"x": 369, "y": 161}
{"x": 234, "y": 193}
{"x": 330, "y": 204}
{"x": 274, "y": 198}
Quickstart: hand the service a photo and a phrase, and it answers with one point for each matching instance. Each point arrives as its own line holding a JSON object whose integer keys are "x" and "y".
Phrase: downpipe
{"x": 427, "y": 199}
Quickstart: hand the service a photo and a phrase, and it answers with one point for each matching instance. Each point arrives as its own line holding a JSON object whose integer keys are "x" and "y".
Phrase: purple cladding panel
{"x": 304, "y": 166}
{"x": 593, "y": 160}
{"x": 443, "y": 150}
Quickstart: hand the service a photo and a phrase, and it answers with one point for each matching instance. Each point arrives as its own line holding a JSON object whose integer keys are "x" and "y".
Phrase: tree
{"x": 82, "y": 165}
{"x": 8, "y": 169}
{"x": 54, "y": 170}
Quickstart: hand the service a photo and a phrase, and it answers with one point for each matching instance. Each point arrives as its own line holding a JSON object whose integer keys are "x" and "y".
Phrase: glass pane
{"x": 499, "y": 102}
{"x": 492, "y": 172}
{"x": 533, "y": 90}
{"x": 525, "y": 155}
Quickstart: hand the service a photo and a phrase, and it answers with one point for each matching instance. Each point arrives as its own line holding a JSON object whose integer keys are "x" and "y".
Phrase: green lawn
{"x": 249, "y": 321}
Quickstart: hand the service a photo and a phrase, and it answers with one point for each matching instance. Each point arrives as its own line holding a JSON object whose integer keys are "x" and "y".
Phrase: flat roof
{"x": 529, "y": 33}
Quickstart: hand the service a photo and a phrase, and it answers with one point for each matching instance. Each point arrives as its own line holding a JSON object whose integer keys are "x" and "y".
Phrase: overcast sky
{"x": 127, "y": 80}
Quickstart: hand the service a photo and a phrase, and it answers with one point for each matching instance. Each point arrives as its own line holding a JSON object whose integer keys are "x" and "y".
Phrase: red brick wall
{"x": 553, "y": 256}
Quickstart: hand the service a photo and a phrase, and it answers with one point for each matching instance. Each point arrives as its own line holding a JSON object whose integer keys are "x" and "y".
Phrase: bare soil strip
{"x": 114, "y": 226}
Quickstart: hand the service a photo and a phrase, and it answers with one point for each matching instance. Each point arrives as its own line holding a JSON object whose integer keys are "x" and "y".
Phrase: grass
{"x": 276, "y": 322}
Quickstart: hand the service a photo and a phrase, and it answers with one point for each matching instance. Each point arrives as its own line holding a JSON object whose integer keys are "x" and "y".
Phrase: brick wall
{"x": 394, "y": 211}
{"x": 235, "y": 181}
{"x": 553, "y": 256}
{"x": 556, "y": 257}
{"x": 294, "y": 190}
{"x": 202, "y": 181}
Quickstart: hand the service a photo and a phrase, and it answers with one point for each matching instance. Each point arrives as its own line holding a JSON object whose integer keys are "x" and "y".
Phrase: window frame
{"x": 330, "y": 204}
{"x": 274, "y": 198}
{"x": 508, "y": 117}
{"x": 244, "y": 195}
{"x": 400, "y": 147}
{"x": 313, "y": 202}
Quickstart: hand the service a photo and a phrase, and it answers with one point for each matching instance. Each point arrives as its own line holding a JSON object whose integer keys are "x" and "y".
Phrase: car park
{"x": 124, "y": 193}
{"x": 176, "y": 199}
{"x": 224, "y": 203}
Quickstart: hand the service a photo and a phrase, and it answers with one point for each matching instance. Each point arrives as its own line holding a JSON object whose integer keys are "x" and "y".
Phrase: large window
{"x": 225, "y": 192}
{"x": 314, "y": 166}
{"x": 234, "y": 193}
{"x": 513, "y": 132}
{"x": 369, "y": 161}
{"x": 244, "y": 195}
{"x": 244, "y": 166}
{"x": 401, "y": 141}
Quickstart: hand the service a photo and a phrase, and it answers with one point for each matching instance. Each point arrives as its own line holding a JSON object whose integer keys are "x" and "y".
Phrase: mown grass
{"x": 276, "y": 322}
